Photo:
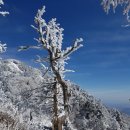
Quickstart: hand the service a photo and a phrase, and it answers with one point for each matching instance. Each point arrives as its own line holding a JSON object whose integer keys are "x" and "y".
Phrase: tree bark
{"x": 60, "y": 81}
{"x": 57, "y": 123}
{"x": 55, "y": 118}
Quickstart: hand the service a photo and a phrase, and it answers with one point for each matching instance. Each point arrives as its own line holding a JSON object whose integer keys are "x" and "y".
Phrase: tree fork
{"x": 60, "y": 81}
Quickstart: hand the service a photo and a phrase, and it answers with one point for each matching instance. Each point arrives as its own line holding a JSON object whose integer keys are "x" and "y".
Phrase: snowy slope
{"x": 23, "y": 104}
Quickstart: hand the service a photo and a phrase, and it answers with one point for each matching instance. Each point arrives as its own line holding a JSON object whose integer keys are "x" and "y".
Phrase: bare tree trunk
{"x": 60, "y": 81}
{"x": 57, "y": 121}
{"x": 64, "y": 87}
{"x": 65, "y": 95}
{"x": 55, "y": 118}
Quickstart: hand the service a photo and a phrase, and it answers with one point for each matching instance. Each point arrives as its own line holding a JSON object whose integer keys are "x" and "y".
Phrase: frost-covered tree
{"x": 107, "y": 4}
{"x": 50, "y": 39}
{"x": 2, "y": 47}
{"x": 3, "y": 12}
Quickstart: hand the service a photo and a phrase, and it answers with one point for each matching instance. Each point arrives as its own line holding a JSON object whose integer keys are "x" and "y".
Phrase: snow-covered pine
{"x": 3, "y": 13}
{"x": 114, "y": 3}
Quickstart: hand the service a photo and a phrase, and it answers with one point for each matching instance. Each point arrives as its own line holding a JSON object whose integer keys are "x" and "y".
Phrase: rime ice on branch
{"x": 3, "y": 12}
{"x": 51, "y": 39}
{"x": 2, "y": 47}
{"x": 114, "y": 3}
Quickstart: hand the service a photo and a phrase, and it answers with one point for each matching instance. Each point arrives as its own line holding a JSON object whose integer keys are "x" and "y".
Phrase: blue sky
{"x": 102, "y": 66}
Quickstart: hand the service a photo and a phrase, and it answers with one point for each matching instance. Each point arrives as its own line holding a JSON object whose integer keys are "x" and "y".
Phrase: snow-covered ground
{"x": 23, "y": 104}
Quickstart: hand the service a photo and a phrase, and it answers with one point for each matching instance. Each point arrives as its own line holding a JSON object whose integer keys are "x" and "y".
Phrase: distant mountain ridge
{"x": 23, "y": 109}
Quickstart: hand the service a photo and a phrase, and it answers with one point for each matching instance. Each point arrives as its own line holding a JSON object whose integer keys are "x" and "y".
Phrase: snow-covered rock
{"x": 23, "y": 104}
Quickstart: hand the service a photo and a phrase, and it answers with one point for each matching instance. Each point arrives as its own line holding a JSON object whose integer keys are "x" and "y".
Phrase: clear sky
{"x": 102, "y": 66}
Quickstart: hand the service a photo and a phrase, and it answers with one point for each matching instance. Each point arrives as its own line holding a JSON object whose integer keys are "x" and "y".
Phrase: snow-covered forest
{"x": 42, "y": 98}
